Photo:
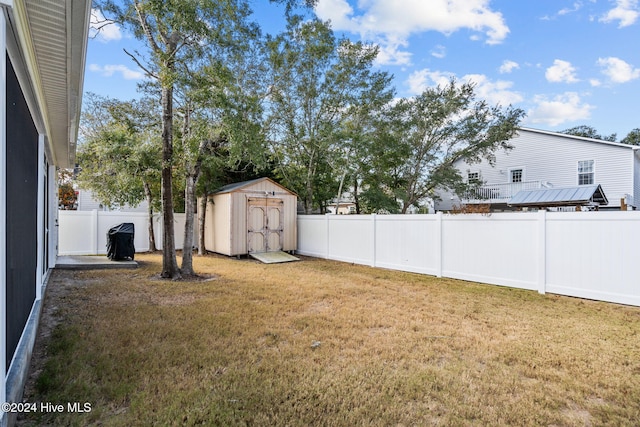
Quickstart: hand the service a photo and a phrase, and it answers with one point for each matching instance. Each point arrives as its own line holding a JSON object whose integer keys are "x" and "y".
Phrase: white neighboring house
{"x": 86, "y": 202}
{"x": 542, "y": 159}
{"x": 346, "y": 208}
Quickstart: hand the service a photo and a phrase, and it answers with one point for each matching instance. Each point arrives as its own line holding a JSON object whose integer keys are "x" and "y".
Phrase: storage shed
{"x": 251, "y": 217}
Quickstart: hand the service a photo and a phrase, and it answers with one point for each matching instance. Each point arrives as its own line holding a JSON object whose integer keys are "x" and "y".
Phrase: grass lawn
{"x": 320, "y": 343}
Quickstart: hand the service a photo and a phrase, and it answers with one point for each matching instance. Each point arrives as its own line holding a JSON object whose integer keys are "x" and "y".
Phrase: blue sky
{"x": 565, "y": 63}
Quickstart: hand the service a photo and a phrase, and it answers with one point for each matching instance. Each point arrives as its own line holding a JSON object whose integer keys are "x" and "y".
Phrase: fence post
{"x": 542, "y": 251}
{"x": 438, "y": 243}
{"x": 373, "y": 249}
{"x": 94, "y": 231}
{"x": 326, "y": 253}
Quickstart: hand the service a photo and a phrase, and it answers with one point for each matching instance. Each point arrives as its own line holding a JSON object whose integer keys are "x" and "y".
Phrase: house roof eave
{"x": 582, "y": 138}
{"x": 52, "y": 38}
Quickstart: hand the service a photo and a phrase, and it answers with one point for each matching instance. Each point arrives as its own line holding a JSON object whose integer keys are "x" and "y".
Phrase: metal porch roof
{"x": 571, "y": 196}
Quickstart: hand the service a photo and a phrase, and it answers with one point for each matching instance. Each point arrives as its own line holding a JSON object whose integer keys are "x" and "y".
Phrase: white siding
{"x": 553, "y": 158}
{"x": 636, "y": 179}
{"x": 86, "y": 202}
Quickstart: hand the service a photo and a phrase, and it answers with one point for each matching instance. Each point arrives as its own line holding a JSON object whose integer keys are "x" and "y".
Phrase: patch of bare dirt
{"x": 61, "y": 283}
{"x": 187, "y": 278}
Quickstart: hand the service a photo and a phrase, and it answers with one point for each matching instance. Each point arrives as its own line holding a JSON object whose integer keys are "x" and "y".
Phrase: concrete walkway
{"x": 91, "y": 262}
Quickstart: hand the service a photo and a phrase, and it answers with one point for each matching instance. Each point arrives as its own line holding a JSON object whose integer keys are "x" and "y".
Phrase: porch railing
{"x": 499, "y": 193}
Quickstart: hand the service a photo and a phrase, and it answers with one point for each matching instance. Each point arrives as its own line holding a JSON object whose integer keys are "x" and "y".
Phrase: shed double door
{"x": 265, "y": 224}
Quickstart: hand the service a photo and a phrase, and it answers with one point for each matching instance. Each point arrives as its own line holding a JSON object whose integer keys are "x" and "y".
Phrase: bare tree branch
{"x": 137, "y": 61}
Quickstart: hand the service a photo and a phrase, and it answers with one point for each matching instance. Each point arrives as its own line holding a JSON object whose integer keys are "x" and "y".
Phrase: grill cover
{"x": 120, "y": 242}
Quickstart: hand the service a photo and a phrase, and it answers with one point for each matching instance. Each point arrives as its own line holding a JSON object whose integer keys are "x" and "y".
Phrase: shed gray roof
{"x": 239, "y": 185}
{"x": 236, "y": 185}
{"x": 571, "y": 196}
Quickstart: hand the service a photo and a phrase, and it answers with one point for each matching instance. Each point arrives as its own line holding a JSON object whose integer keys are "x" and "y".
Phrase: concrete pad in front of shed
{"x": 273, "y": 257}
{"x": 91, "y": 262}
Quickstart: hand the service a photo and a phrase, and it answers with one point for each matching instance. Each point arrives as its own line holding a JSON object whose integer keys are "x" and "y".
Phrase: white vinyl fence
{"x": 592, "y": 255}
{"x": 85, "y": 232}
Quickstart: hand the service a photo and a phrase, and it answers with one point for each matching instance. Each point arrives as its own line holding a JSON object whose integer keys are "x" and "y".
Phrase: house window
{"x": 473, "y": 177}
{"x": 515, "y": 175}
{"x": 586, "y": 174}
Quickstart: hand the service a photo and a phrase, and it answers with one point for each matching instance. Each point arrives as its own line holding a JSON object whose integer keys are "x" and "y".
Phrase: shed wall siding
{"x": 554, "y": 159}
{"x": 223, "y": 217}
{"x": 239, "y": 223}
{"x": 290, "y": 239}
{"x": 262, "y": 186}
{"x": 208, "y": 229}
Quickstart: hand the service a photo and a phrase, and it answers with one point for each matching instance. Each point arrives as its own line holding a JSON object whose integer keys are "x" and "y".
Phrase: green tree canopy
{"x": 119, "y": 156}
{"x": 318, "y": 85}
{"x": 589, "y": 132}
{"x": 119, "y": 149}
{"x": 435, "y": 129}
{"x": 632, "y": 138}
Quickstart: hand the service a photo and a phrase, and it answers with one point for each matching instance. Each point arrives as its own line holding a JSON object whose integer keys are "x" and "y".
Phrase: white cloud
{"x": 390, "y": 53}
{"x": 338, "y": 11}
{"x": 508, "y": 66}
{"x": 576, "y": 7}
{"x": 626, "y": 11}
{"x": 494, "y": 92}
{"x": 439, "y": 52}
{"x": 419, "y": 81}
{"x": 391, "y": 23}
{"x": 561, "y": 72}
{"x": 102, "y": 29}
{"x": 562, "y": 108}
{"x": 617, "y": 70}
{"x": 110, "y": 70}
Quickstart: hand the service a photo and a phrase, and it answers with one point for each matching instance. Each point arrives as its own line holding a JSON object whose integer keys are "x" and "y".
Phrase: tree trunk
{"x": 308, "y": 201}
{"x": 355, "y": 195}
{"x": 192, "y": 175}
{"x": 189, "y": 209}
{"x": 202, "y": 216}
{"x": 340, "y": 191}
{"x": 149, "y": 197}
{"x": 170, "y": 268}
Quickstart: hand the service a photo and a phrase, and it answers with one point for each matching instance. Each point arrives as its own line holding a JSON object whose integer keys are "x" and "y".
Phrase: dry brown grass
{"x": 326, "y": 343}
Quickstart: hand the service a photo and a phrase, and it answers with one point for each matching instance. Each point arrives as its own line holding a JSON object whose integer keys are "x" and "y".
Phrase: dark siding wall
{"x": 22, "y": 205}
